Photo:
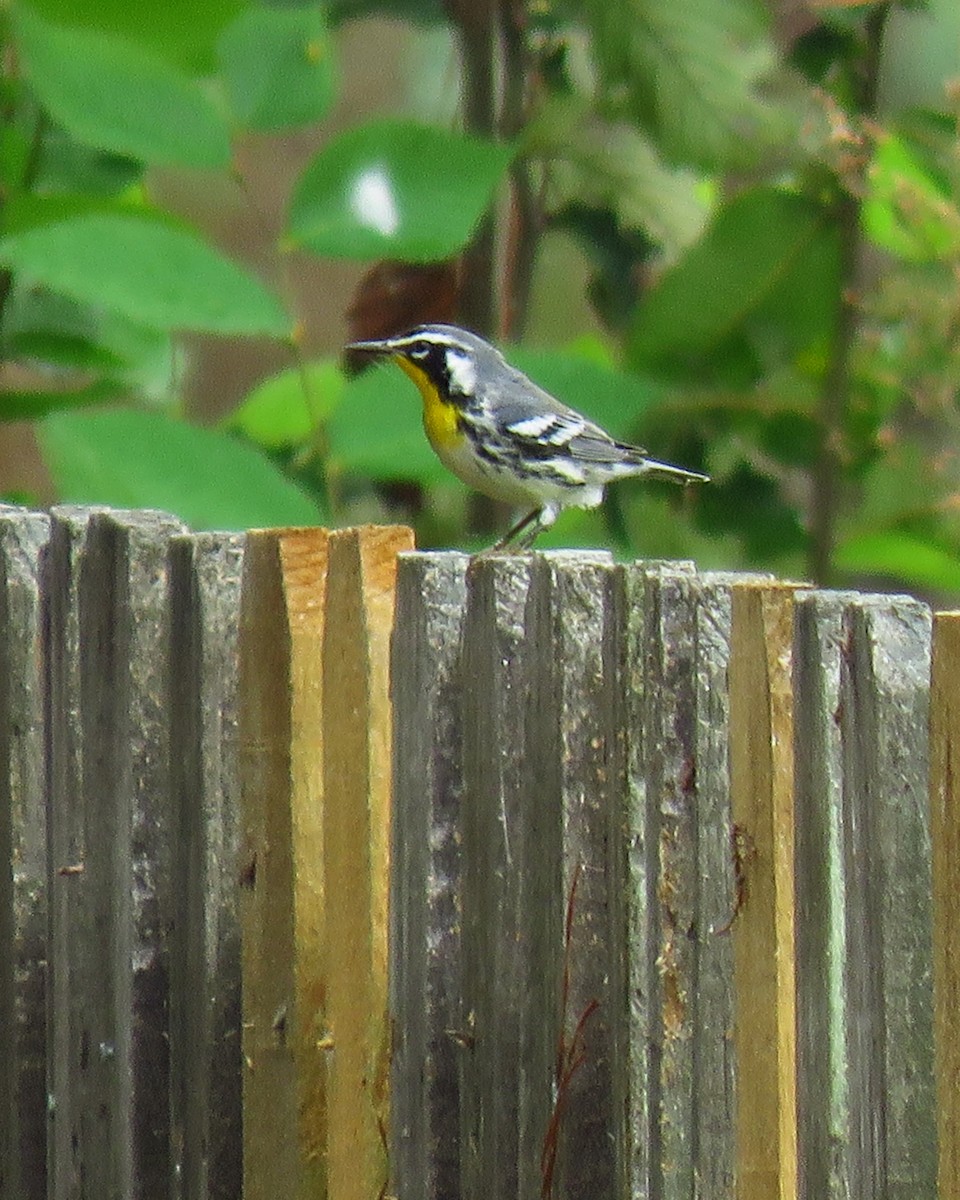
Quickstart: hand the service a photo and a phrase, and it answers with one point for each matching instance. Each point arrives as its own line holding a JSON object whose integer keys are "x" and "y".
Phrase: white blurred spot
{"x": 372, "y": 202}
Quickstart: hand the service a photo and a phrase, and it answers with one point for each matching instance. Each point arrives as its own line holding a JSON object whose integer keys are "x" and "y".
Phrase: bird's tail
{"x": 661, "y": 470}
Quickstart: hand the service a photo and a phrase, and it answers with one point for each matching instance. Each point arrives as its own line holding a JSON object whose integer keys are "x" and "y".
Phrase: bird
{"x": 504, "y": 436}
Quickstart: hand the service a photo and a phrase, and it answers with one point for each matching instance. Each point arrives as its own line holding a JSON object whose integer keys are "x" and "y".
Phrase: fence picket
{"x": 205, "y": 1017}
{"x": 23, "y": 886}
{"x": 110, "y": 833}
{"x": 865, "y": 1074}
{"x": 356, "y": 835}
{"x": 665, "y": 829}
{"x": 575, "y": 791}
{"x": 945, "y": 836}
{"x": 426, "y": 898}
{"x": 505, "y": 1105}
{"x": 822, "y": 1089}
{"x": 761, "y": 782}
{"x": 885, "y": 679}
{"x": 281, "y": 862}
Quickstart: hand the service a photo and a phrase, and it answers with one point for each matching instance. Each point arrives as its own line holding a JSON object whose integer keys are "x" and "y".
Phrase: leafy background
{"x": 727, "y": 229}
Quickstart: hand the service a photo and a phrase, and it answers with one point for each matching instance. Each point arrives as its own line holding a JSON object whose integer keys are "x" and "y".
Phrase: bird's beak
{"x": 386, "y": 346}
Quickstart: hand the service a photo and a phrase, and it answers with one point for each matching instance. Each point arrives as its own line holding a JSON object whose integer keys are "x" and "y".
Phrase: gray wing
{"x": 545, "y": 427}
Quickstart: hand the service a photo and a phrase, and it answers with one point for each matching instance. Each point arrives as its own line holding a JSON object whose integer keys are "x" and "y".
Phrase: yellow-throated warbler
{"x": 506, "y": 437}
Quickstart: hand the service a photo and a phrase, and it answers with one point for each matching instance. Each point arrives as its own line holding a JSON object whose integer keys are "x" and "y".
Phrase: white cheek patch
{"x": 461, "y": 372}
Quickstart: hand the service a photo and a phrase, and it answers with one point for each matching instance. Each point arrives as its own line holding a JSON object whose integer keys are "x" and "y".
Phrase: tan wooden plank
{"x": 945, "y": 838}
{"x": 356, "y": 824}
{"x": 761, "y": 769}
{"x": 282, "y": 862}
{"x": 303, "y": 562}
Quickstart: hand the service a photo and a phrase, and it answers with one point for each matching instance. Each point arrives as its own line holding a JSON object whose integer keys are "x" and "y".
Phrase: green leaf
{"x": 766, "y": 271}
{"x": 614, "y": 165}
{"x": 395, "y": 189}
{"x": 134, "y": 459}
{"x": 284, "y": 410}
{"x": 110, "y": 93}
{"x": 690, "y": 73}
{"x": 67, "y": 165}
{"x": 57, "y": 331}
{"x": 31, "y": 405}
{"x": 147, "y": 271}
{"x": 180, "y": 31}
{"x": 64, "y": 350}
{"x": 377, "y": 431}
{"x": 907, "y": 211}
{"x": 278, "y": 66}
{"x": 918, "y": 563}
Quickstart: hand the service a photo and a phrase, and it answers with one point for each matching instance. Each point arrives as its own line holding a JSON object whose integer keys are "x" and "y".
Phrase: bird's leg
{"x": 527, "y": 530}
{"x": 519, "y": 536}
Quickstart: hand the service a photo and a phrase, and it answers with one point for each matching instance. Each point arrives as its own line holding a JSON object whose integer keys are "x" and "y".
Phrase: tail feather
{"x": 662, "y": 470}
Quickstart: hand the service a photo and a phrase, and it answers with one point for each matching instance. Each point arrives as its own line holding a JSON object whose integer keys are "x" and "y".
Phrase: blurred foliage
{"x": 772, "y": 255}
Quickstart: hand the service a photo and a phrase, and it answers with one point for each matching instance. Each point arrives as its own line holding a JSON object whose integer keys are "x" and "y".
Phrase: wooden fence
{"x": 343, "y": 872}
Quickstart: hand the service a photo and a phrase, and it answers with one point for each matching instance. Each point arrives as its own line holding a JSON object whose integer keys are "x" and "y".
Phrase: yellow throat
{"x": 439, "y": 415}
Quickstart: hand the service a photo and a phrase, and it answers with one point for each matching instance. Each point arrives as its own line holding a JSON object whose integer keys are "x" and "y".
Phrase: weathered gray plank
{"x": 507, "y": 838}
{"x": 945, "y": 835}
{"x": 678, "y": 1075}
{"x": 205, "y": 1016}
{"x": 665, "y": 909}
{"x": 642, "y": 1037}
{"x": 714, "y": 1070}
{"x": 426, "y": 900}
{"x": 23, "y": 883}
{"x": 864, "y": 971}
{"x": 110, "y": 838}
{"x": 885, "y": 679}
{"x": 572, "y": 750}
{"x": 823, "y": 1141}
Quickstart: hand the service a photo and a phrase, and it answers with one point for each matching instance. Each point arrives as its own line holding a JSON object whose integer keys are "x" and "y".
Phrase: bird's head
{"x": 442, "y": 357}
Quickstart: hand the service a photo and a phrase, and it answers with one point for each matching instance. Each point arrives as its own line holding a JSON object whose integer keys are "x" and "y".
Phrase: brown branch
{"x": 526, "y": 215}
{"x": 474, "y": 22}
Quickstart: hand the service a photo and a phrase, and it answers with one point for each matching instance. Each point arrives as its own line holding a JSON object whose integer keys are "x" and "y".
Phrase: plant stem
{"x": 835, "y": 397}
{"x": 526, "y": 218}
{"x": 834, "y": 400}
{"x": 474, "y": 20}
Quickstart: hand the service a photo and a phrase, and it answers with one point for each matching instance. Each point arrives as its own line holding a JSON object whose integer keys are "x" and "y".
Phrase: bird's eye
{"x": 419, "y": 351}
